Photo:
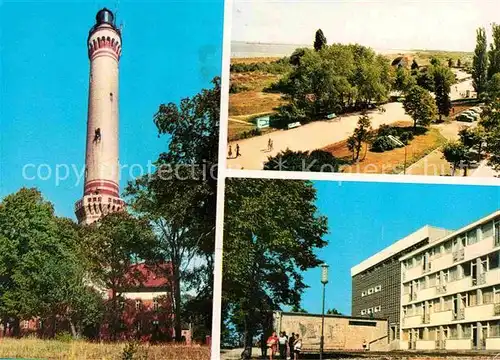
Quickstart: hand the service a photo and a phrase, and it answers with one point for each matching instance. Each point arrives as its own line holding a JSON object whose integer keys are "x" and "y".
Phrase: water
{"x": 249, "y": 50}
{"x": 241, "y": 49}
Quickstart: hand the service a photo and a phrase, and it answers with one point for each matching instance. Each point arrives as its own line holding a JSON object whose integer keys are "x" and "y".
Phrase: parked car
{"x": 465, "y": 118}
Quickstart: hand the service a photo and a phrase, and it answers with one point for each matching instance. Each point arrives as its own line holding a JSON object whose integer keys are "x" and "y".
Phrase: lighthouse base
{"x": 93, "y": 207}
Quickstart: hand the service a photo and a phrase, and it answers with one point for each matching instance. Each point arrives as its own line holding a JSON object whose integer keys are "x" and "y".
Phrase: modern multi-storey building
{"x": 376, "y": 282}
{"x": 451, "y": 290}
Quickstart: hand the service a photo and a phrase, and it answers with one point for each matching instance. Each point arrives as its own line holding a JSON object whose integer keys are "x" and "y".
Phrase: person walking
{"x": 230, "y": 151}
{"x": 238, "y": 154}
{"x": 283, "y": 341}
{"x": 291, "y": 342}
{"x": 272, "y": 345}
{"x": 297, "y": 346}
{"x": 263, "y": 346}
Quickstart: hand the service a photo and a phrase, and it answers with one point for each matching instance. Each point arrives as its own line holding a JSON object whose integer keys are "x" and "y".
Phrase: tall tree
{"x": 319, "y": 40}
{"x": 272, "y": 230}
{"x": 480, "y": 62}
{"x": 420, "y": 105}
{"x": 112, "y": 246}
{"x": 333, "y": 312}
{"x": 443, "y": 78}
{"x": 360, "y": 136}
{"x": 494, "y": 53}
{"x": 456, "y": 154}
{"x": 41, "y": 271}
{"x": 185, "y": 225}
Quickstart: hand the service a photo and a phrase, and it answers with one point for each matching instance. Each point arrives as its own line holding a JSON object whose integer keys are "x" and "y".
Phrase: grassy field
{"x": 392, "y": 161}
{"x": 80, "y": 350}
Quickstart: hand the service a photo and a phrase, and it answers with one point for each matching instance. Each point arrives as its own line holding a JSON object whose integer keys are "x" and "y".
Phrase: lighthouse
{"x": 101, "y": 193}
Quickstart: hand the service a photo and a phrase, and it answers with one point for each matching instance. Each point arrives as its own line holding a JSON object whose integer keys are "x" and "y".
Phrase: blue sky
{"x": 366, "y": 217}
{"x": 171, "y": 50}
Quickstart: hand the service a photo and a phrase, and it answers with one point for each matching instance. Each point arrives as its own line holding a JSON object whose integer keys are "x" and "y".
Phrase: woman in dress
{"x": 272, "y": 345}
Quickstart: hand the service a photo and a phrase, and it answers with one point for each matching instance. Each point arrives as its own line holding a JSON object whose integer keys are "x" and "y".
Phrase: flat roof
{"x": 453, "y": 234}
{"x": 332, "y": 316}
{"x": 431, "y": 232}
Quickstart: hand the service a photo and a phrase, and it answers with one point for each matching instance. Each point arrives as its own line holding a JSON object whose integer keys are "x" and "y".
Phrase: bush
{"x": 287, "y": 114}
{"x": 64, "y": 336}
{"x": 236, "y": 88}
{"x": 406, "y": 137}
{"x": 386, "y": 130}
{"x": 381, "y": 144}
{"x": 279, "y": 66}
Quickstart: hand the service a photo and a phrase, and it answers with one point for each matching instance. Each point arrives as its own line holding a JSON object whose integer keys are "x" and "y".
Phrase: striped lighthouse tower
{"x": 101, "y": 190}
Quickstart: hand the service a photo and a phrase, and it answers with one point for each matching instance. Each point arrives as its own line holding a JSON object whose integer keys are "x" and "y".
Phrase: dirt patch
{"x": 252, "y": 102}
{"x": 254, "y": 80}
{"x": 392, "y": 161}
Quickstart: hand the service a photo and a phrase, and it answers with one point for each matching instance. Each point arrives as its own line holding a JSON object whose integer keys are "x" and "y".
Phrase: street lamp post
{"x": 324, "y": 281}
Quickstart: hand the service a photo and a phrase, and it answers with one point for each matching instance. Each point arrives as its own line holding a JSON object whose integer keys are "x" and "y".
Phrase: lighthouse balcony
{"x": 92, "y": 207}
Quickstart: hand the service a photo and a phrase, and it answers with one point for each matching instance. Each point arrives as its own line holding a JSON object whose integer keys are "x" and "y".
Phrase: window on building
{"x": 370, "y": 311}
{"x": 493, "y": 260}
{"x": 497, "y": 233}
{"x": 406, "y": 289}
{"x": 467, "y": 269}
{"x": 418, "y": 259}
{"x": 454, "y": 274}
{"x": 363, "y": 293}
{"x": 466, "y": 331}
{"x": 378, "y": 288}
{"x": 432, "y": 280}
{"x": 437, "y": 305}
{"x": 377, "y": 309}
{"x": 363, "y": 312}
{"x": 494, "y": 329}
{"x": 472, "y": 301}
{"x": 487, "y": 295}
{"x": 487, "y": 230}
{"x": 447, "y": 247}
{"x": 453, "y": 332}
{"x": 472, "y": 237}
{"x": 370, "y": 291}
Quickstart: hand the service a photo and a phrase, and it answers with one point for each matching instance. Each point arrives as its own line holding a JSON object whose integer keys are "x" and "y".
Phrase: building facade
{"x": 451, "y": 290}
{"x": 101, "y": 188}
{"x": 376, "y": 282}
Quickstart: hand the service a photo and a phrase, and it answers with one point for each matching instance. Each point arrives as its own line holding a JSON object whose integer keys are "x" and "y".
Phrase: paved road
{"x": 312, "y": 136}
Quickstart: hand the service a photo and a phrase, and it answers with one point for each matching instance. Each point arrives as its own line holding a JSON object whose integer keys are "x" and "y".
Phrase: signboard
{"x": 293, "y": 125}
{"x": 262, "y": 122}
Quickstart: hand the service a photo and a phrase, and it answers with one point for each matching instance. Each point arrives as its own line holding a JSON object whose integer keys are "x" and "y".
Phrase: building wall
{"x": 451, "y": 290}
{"x": 376, "y": 282}
{"x": 340, "y": 333}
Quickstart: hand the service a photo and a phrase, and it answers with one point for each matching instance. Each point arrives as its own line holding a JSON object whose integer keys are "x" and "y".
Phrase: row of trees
{"x": 333, "y": 79}
{"x": 486, "y": 63}
{"x": 52, "y": 269}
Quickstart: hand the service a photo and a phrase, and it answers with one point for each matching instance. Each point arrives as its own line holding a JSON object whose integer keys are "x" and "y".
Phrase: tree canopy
{"x": 420, "y": 105}
{"x": 271, "y": 232}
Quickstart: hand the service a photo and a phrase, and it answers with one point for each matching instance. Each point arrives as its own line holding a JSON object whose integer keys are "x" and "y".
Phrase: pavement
{"x": 312, "y": 136}
{"x": 318, "y": 134}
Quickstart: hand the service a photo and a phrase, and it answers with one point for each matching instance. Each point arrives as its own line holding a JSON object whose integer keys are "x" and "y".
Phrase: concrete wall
{"x": 425, "y": 344}
{"x": 461, "y": 344}
{"x": 340, "y": 332}
{"x": 493, "y": 344}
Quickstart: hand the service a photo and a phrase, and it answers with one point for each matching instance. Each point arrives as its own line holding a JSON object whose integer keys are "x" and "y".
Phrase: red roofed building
{"x": 147, "y": 305}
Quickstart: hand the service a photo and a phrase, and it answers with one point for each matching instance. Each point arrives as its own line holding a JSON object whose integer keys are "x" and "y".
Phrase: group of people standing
{"x": 289, "y": 347}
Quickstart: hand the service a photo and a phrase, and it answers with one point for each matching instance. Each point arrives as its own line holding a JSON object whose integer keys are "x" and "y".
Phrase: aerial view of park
{"x": 399, "y": 95}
